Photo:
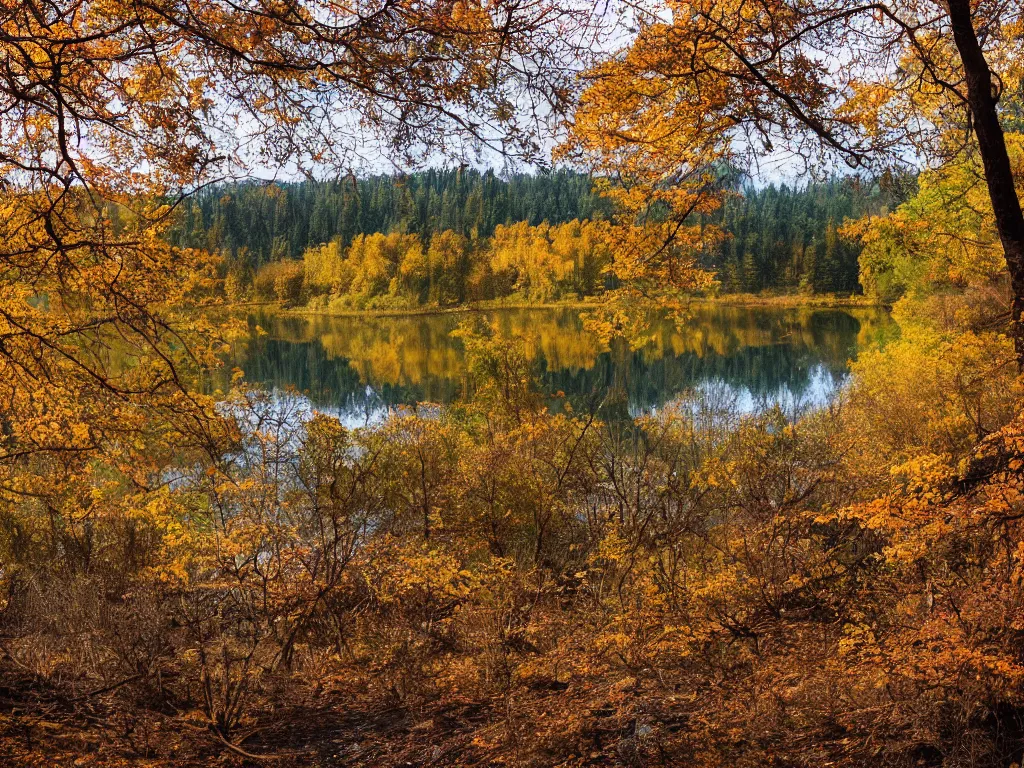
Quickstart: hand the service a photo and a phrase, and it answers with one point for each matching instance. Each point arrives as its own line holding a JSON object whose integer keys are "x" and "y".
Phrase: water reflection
{"x": 359, "y": 367}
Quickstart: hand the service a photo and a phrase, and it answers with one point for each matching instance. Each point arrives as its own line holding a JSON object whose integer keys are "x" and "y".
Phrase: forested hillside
{"x": 279, "y": 221}
{"x": 780, "y": 237}
{"x": 788, "y": 238}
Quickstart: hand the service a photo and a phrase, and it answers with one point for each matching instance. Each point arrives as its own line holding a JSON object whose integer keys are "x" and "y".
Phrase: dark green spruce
{"x": 782, "y": 238}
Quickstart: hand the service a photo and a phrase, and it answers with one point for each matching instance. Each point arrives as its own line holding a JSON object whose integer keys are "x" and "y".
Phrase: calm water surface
{"x": 361, "y": 367}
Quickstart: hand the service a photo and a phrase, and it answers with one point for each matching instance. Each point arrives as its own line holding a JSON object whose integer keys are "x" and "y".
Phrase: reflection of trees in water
{"x": 329, "y": 380}
{"x": 763, "y": 371}
{"x": 414, "y": 359}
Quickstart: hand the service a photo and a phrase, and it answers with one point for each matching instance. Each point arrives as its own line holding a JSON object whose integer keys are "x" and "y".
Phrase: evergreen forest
{"x": 778, "y": 237}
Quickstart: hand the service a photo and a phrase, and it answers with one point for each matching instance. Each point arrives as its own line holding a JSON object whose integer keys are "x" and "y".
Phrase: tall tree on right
{"x": 865, "y": 83}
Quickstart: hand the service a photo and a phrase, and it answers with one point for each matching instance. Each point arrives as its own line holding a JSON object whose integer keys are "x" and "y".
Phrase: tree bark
{"x": 982, "y": 100}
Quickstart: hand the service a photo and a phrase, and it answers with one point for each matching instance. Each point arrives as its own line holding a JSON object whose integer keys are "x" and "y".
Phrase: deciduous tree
{"x": 865, "y": 83}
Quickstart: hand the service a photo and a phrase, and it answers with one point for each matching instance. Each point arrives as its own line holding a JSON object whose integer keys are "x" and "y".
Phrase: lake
{"x": 361, "y": 367}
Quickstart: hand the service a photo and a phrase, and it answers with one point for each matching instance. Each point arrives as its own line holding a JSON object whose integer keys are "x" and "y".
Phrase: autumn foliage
{"x": 231, "y": 578}
{"x": 520, "y": 262}
{"x": 501, "y": 584}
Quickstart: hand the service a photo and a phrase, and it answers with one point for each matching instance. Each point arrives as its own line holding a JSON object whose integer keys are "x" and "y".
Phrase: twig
{"x": 107, "y": 688}
{"x": 239, "y": 751}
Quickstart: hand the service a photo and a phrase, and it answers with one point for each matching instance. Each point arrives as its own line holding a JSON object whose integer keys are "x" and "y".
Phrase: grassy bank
{"x": 775, "y": 301}
{"x": 479, "y": 306}
{"x": 791, "y": 300}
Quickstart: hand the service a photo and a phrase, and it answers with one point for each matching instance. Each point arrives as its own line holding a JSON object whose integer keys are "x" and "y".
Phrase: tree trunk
{"x": 982, "y": 100}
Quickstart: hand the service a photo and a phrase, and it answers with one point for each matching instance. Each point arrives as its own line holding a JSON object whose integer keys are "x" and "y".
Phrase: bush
{"x": 280, "y": 281}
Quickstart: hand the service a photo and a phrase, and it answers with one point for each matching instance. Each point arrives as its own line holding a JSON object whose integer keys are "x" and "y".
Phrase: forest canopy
{"x": 780, "y": 238}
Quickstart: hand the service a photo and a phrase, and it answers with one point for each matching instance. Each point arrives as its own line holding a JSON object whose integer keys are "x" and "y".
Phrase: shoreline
{"x": 794, "y": 301}
{"x": 780, "y": 301}
{"x": 486, "y": 306}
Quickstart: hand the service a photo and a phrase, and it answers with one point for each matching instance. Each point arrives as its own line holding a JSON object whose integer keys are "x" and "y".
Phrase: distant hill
{"x": 782, "y": 237}
{"x": 282, "y": 220}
